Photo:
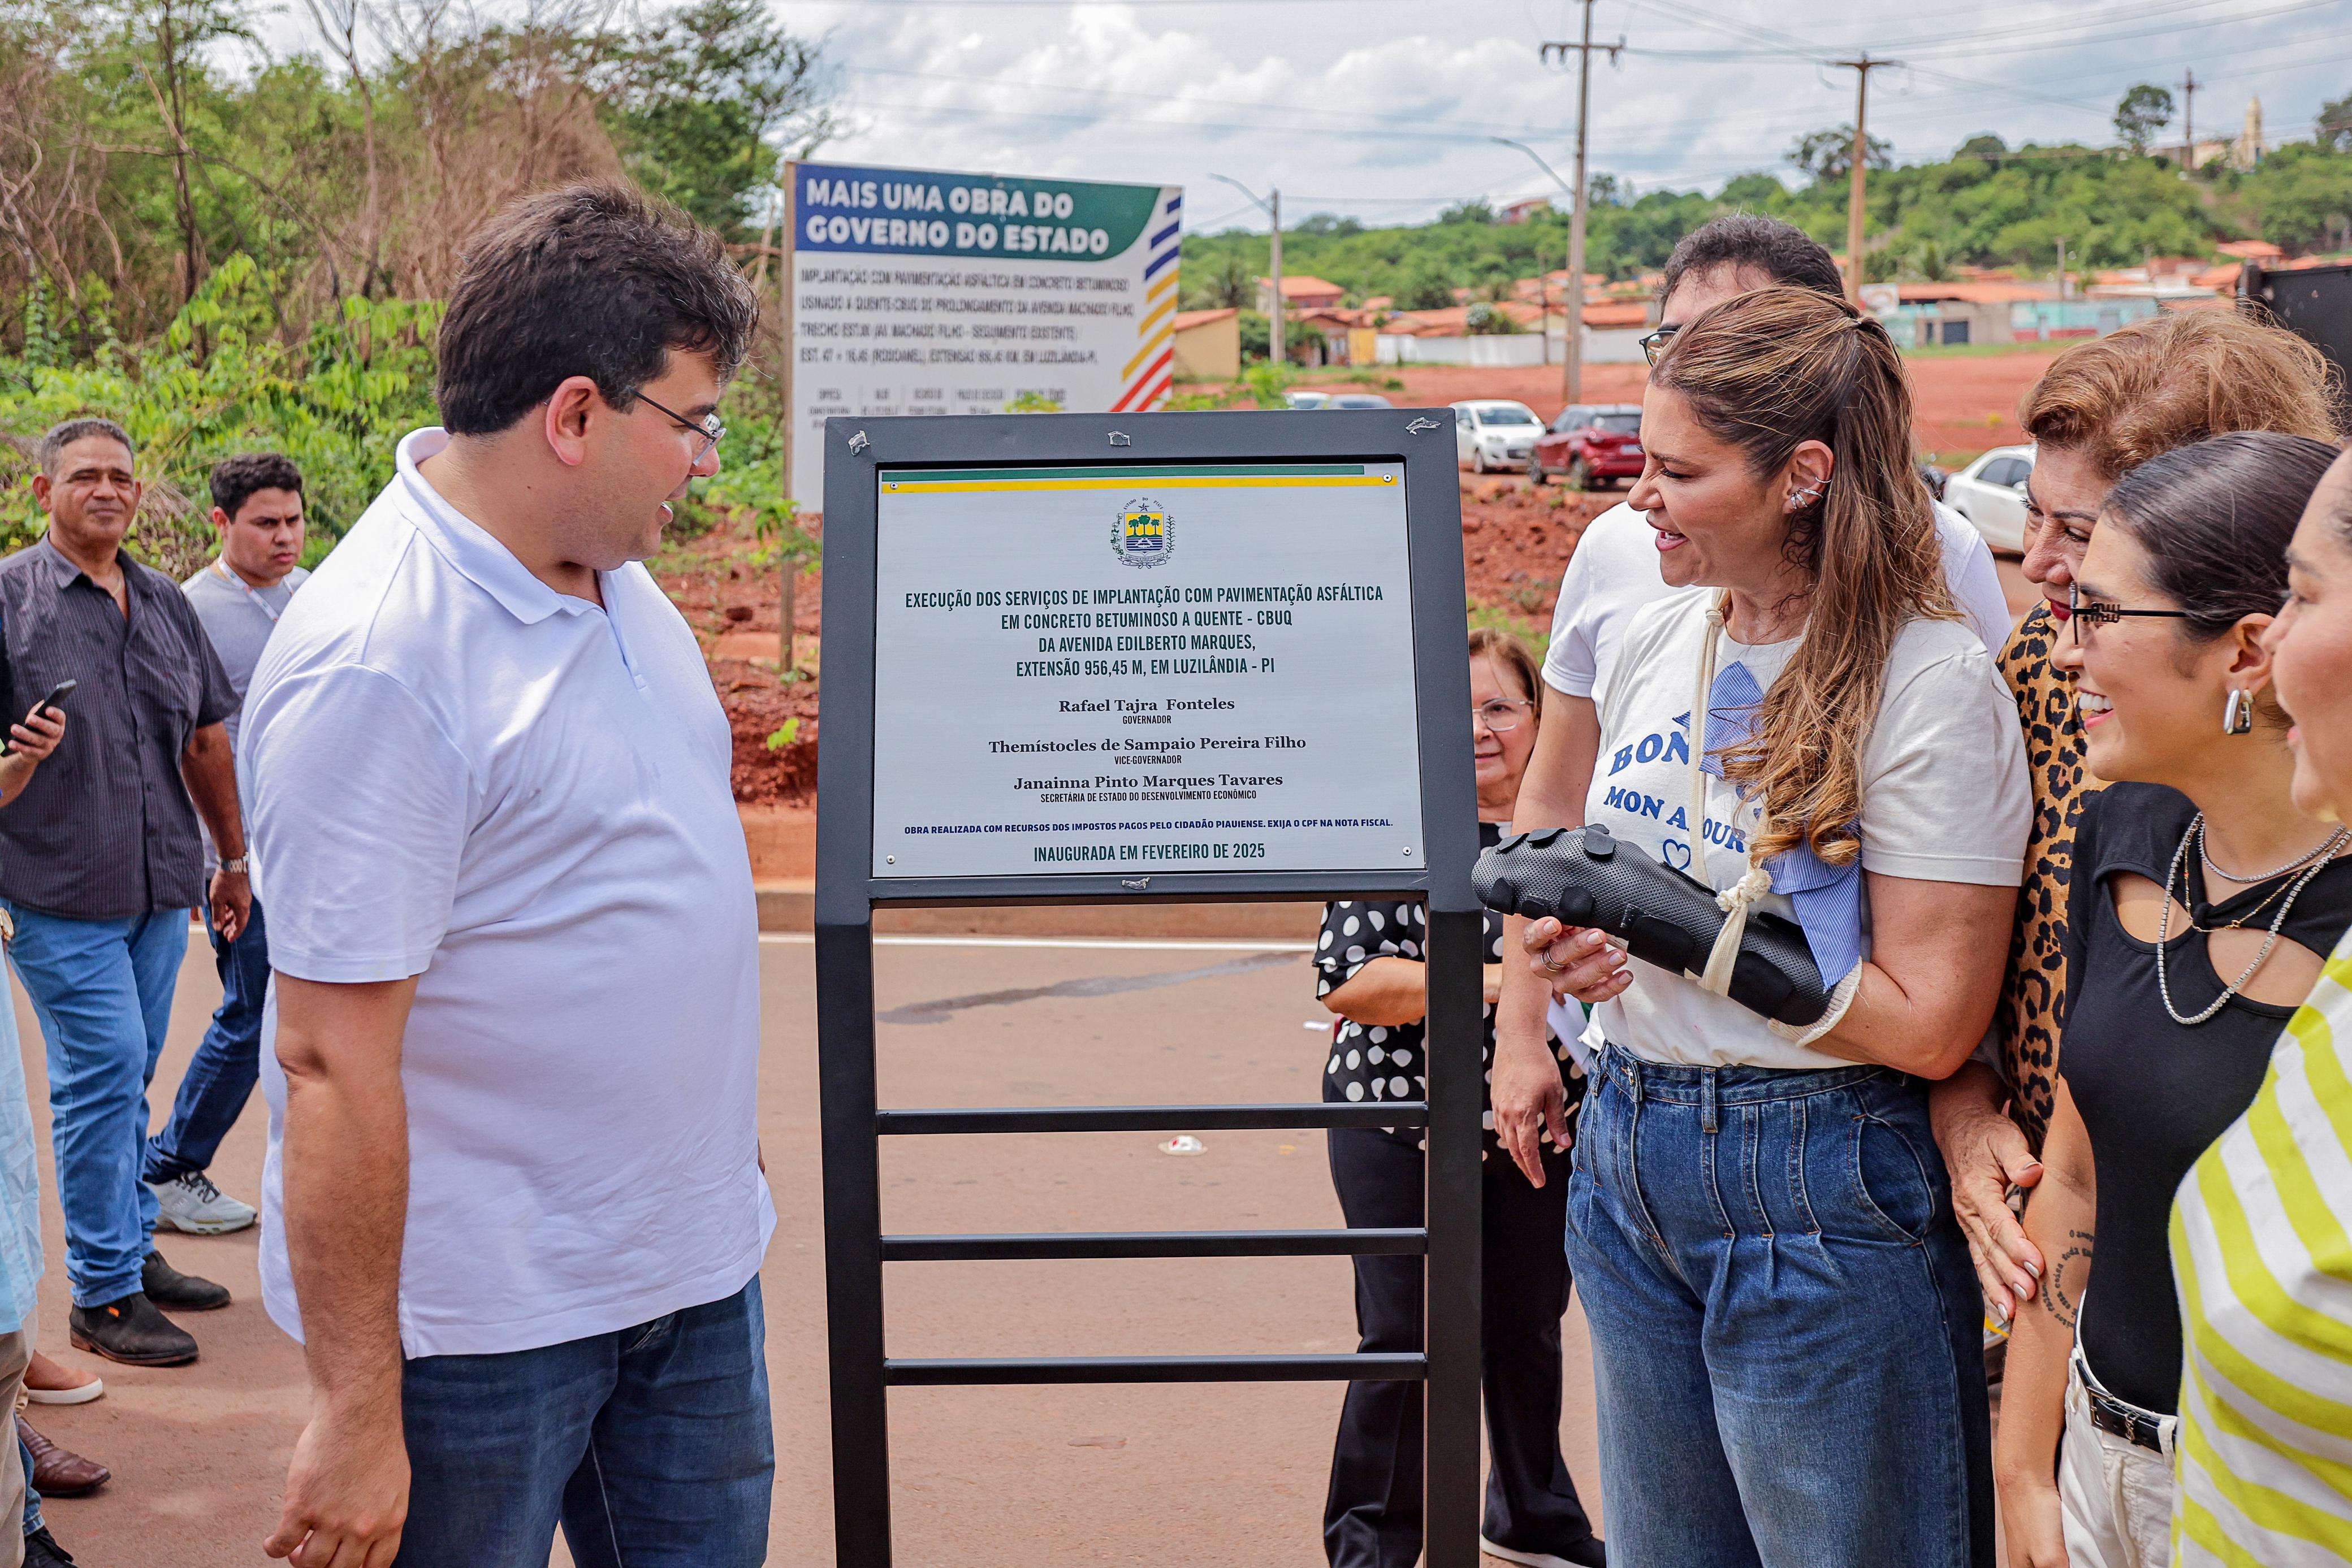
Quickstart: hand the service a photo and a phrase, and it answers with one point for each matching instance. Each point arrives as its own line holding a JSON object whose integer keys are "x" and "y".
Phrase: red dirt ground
{"x": 1515, "y": 539}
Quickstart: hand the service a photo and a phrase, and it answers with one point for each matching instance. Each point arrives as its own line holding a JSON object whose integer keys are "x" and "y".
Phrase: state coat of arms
{"x": 1143, "y": 536}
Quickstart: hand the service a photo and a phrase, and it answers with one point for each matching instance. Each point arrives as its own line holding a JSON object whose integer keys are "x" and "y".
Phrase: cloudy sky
{"x": 1382, "y": 108}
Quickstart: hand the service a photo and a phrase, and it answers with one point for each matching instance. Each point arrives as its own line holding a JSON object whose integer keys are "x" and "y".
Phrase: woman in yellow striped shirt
{"x": 2262, "y": 1229}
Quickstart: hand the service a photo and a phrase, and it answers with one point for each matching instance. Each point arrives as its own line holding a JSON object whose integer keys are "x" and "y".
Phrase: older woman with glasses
{"x": 1373, "y": 976}
{"x": 2201, "y": 904}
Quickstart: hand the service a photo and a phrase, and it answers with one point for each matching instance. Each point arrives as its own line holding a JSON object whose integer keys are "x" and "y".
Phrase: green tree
{"x": 1424, "y": 287}
{"x": 1984, "y": 145}
{"x": 1828, "y": 155}
{"x": 2140, "y": 113}
{"x": 2334, "y": 124}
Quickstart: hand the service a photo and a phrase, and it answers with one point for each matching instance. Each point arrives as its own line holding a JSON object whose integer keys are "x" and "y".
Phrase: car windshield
{"x": 1361, "y": 399}
{"x": 1618, "y": 423}
{"x": 1506, "y": 413}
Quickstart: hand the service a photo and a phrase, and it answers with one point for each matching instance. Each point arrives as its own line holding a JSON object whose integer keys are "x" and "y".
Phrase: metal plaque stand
{"x": 855, "y": 1249}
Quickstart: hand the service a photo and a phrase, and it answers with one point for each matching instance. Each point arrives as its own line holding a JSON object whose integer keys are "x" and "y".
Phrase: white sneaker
{"x": 194, "y": 1205}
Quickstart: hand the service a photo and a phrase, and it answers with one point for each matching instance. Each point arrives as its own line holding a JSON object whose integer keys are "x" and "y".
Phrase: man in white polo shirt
{"x": 513, "y": 1204}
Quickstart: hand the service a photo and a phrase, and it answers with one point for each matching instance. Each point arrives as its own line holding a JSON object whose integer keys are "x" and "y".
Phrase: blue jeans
{"x": 221, "y": 1075}
{"x": 652, "y": 1445}
{"x": 1787, "y": 1337}
{"x": 102, "y": 990}
{"x": 32, "y": 1496}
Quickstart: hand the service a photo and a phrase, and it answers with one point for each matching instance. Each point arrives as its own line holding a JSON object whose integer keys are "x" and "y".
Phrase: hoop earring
{"x": 2238, "y": 713}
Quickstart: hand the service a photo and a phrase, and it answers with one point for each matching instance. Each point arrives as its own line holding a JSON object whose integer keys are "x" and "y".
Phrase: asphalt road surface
{"x": 1038, "y": 1478}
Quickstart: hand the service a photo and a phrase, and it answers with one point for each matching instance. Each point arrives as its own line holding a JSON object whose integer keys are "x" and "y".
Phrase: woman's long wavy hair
{"x": 1765, "y": 372}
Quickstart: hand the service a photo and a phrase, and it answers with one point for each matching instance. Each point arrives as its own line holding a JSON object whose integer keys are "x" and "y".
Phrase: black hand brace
{"x": 1582, "y": 876}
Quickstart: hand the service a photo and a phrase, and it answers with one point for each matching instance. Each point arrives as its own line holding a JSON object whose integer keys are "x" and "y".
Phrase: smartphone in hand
{"x": 55, "y": 699}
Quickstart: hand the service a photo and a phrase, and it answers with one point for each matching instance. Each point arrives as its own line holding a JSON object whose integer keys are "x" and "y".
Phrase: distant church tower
{"x": 2248, "y": 150}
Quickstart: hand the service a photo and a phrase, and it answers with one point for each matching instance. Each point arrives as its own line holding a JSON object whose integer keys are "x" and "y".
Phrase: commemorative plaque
{"x": 1080, "y": 660}
{"x": 1147, "y": 668}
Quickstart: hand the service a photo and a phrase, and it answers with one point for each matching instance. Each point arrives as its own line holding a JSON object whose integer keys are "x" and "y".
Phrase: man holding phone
{"x": 258, "y": 507}
{"x": 100, "y": 863}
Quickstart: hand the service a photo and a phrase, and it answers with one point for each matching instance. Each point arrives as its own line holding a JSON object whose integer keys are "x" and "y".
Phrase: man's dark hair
{"x": 595, "y": 280}
{"x": 235, "y": 479}
{"x": 1782, "y": 252}
{"x": 60, "y": 436}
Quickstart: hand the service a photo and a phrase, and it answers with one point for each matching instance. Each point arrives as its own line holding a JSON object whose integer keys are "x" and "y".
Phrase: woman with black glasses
{"x": 1373, "y": 974}
{"x": 2200, "y": 907}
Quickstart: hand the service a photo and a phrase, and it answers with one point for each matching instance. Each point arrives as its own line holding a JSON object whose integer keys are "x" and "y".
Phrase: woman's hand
{"x": 1576, "y": 961}
{"x": 1987, "y": 1155}
{"x": 1529, "y": 1100}
{"x": 2029, "y": 1513}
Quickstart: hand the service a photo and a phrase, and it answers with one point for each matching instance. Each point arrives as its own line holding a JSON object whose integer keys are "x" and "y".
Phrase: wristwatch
{"x": 239, "y": 865}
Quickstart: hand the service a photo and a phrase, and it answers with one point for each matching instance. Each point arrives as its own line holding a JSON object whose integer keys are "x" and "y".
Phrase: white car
{"x": 1493, "y": 434}
{"x": 1307, "y": 399}
{"x": 1990, "y": 492}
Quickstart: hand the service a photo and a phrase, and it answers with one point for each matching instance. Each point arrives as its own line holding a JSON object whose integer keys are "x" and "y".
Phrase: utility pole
{"x": 2061, "y": 269}
{"x": 1571, "y": 364}
{"x": 2189, "y": 124}
{"x": 1271, "y": 205}
{"x": 1862, "y": 67}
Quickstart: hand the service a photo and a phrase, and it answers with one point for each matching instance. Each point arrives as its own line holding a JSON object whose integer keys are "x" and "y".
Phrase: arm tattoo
{"x": 2062, "y": 1296}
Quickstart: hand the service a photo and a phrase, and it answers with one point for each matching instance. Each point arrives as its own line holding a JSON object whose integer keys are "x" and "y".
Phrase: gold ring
{"x": 1553, "y": 965}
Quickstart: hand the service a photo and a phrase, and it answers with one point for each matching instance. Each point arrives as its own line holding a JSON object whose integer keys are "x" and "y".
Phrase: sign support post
{"x": 1262, "y": 698}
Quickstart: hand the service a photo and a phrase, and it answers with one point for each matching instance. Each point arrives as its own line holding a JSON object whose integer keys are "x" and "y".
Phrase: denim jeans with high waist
{"x": 102, "y": 990}
{"x": 1786, "y": 1338}
{"x": 652, "y": 1445}
{"x": 221, "y": 1075}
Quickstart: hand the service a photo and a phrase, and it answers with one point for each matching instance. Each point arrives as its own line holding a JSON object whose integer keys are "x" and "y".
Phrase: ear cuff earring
{"x": 1800, "y": 499}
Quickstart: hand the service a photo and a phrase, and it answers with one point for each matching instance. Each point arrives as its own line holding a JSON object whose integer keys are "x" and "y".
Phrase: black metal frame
{"x": 847, "y": 894}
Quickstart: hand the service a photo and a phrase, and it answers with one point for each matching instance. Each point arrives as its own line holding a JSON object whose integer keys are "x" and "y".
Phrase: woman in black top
{"x": 1372, "y": 975}
{"x": 2200, "y": 908}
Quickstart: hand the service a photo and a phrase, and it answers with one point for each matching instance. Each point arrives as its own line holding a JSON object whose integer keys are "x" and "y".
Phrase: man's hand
{"x": 1987, "y": 1155}
{"x": 37, "y": 739}
{"x": 347, "y": 1490}
{"x": 232, "y": 902}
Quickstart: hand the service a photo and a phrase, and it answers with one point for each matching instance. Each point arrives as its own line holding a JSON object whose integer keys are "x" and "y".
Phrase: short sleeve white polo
{"x": 454, "y": 772}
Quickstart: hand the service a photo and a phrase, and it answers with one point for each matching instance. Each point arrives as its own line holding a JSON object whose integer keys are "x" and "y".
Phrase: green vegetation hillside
{"x": 1988, "y": 204}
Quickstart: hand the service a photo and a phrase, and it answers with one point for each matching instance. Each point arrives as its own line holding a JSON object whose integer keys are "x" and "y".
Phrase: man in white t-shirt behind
{"x": 1614, "y": 571}
{"x": 513, "y": 1204}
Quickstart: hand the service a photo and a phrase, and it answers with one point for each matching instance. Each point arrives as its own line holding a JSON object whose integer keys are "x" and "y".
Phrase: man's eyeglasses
{"x": 1498, "y": 716}
{"x": 1654, "y": 343}
{"x": 713, "y": 429}
{"x": 2080, "y": 610}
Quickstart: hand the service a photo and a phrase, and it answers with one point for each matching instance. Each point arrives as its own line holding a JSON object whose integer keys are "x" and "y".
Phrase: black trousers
{"x": 1372, "y": 1517}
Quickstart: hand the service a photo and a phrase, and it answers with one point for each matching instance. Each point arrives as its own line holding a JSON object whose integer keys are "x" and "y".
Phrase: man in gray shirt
{"x": 258, "y": 507}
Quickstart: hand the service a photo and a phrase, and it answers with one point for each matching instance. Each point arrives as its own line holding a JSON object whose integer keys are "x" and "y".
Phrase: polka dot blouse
{"x": 1387, "y": 1062}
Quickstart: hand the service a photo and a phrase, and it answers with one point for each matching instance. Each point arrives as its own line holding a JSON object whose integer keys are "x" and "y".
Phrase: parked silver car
{"x": 1493, "y": 433}
{"x": 1990, "y": 492}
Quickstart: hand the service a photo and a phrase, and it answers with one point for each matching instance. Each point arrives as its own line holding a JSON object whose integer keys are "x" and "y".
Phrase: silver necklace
{"x": 2333, "y": 842}
{"x": 2164, "y": 922}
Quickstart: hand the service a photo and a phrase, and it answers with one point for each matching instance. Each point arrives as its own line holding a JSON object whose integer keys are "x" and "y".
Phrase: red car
{"x": 1590, "y": 444}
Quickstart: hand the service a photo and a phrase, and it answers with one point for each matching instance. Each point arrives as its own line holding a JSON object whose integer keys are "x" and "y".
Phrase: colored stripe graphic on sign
{"x": 1148, "y": 376}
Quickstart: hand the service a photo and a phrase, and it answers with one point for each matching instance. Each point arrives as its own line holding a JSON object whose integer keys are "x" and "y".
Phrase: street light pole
{"x": 1271, "y": 205}
{"x": 1571, "y": 375}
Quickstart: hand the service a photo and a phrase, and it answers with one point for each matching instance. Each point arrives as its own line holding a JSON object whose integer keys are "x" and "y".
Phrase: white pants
{"x": 2115, "y": 1497}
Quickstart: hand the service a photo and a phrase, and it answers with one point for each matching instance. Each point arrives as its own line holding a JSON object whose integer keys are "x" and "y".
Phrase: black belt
{"x": 2130, "y": 1422}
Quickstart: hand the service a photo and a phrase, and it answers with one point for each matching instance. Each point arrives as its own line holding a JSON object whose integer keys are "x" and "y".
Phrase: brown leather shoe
{"x": 56, "y": 1472}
